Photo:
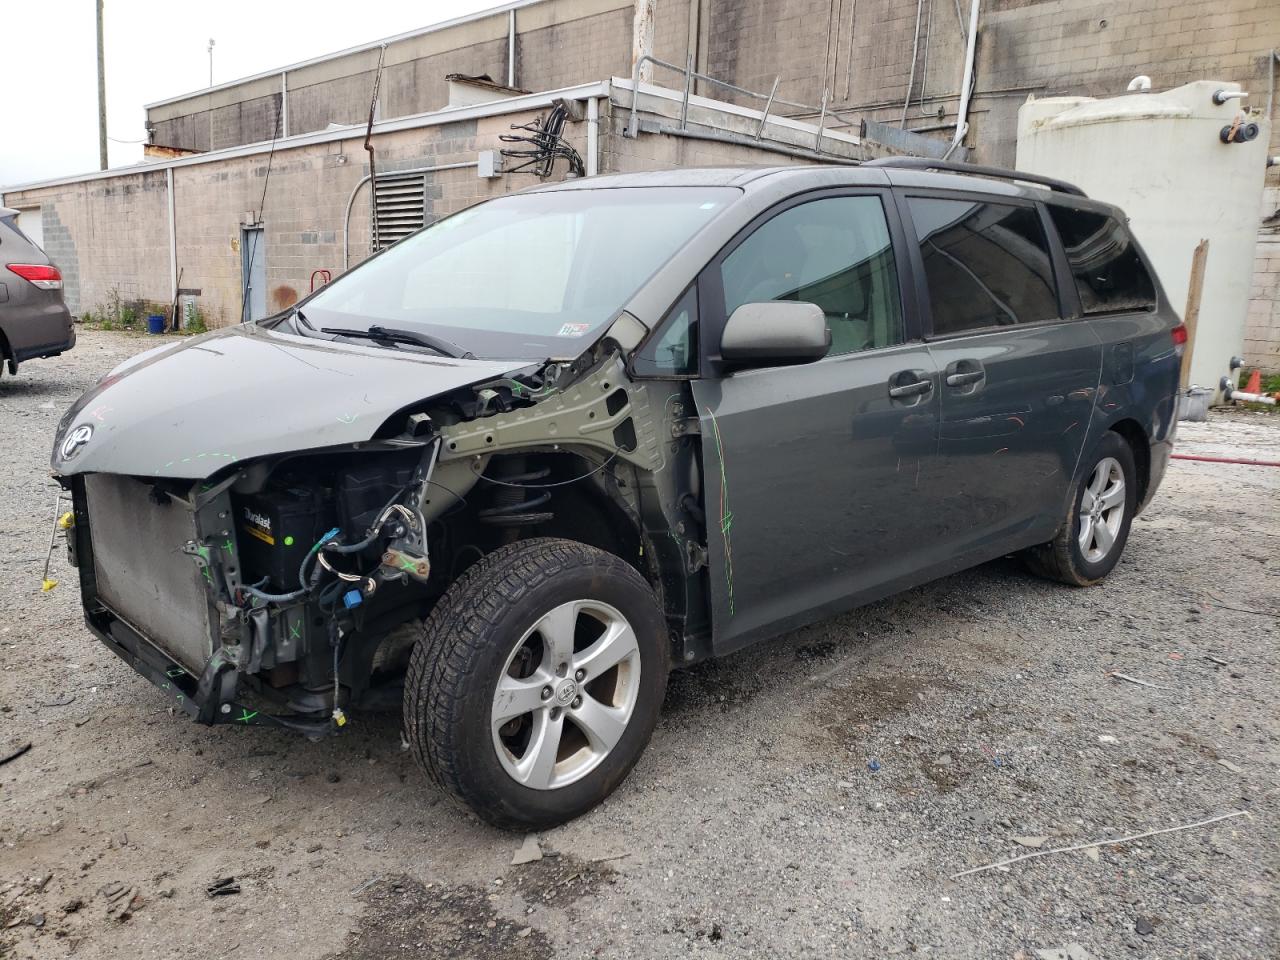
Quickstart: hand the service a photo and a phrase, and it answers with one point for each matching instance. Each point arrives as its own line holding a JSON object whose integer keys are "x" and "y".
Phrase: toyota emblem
{"x": 76, "y": 439}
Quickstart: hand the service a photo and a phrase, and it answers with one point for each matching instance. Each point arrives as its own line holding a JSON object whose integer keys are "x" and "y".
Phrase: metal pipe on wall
{"x": 911, "y": 77}
{"x": 593, "y": 136}
{"x": 351, "y": 200}
{"x": 966, "y": 81}
{"x": 284, "y": 104}
{"x": 173, "y": 243}
{"x": 511, "y": 48}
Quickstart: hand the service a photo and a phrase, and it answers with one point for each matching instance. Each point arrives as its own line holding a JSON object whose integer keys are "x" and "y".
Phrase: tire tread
{"x": 458, "y": 629}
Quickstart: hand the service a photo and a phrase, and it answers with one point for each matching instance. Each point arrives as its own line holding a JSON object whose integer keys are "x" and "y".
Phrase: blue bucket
{"x": 155, "y": 323}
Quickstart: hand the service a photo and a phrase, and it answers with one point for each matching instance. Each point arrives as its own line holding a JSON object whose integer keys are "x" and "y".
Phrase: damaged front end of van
{"x": 258, "y": 548}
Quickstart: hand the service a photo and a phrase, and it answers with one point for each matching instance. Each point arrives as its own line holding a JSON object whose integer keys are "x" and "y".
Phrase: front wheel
{"x": 537, "y": 682}
{"x": 1090, "y": 541}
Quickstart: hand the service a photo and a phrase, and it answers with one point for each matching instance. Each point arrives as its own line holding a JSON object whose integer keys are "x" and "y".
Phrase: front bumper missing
{"x": 208, "y": 699}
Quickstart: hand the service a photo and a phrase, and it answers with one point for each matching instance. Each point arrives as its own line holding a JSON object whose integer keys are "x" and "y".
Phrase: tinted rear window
{"x": 987, "y": 264}
{"x": 1108, "y": 272}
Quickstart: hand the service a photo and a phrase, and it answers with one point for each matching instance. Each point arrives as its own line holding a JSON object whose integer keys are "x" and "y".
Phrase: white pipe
{"x": 915, "y": 49}
{"x": 511, "y": 47}
{"x": 173, "y": 245}
{"x": 284, "y": 105}
{"x": 593, "y": 136}
{"x": 966, "y": 81}
{"x": 1234, "y": 395}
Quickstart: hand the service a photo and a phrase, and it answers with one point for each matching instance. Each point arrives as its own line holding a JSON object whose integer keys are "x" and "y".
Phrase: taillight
{"x": 42, "y": 275}
{"x": 1179, "y": 334}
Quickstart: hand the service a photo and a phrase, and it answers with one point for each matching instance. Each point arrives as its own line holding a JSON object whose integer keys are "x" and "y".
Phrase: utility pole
{"x": 642, "y": 37}
{"x": 102, "y": 98}
{"x": 211, "y": 61}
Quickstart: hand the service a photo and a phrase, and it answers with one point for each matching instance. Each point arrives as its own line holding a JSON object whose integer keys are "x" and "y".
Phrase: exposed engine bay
{"x": 288, "y": 589}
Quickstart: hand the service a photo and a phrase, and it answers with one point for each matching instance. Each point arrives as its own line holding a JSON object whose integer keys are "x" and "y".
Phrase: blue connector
{"x": 352, "y": 598}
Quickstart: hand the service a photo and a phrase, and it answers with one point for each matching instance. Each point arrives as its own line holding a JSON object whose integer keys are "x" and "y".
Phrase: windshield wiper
{"x": 387, "y": 335}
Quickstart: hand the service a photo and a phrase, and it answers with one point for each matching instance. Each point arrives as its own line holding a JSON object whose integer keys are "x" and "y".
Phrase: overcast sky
{"x": 157, "y": 49}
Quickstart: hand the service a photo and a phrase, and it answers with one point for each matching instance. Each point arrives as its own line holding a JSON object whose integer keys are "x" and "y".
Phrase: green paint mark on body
{"x": 726, "y": 516}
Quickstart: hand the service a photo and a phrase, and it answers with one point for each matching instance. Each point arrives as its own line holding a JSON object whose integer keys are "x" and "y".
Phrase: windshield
{"x": 524, "y": 276}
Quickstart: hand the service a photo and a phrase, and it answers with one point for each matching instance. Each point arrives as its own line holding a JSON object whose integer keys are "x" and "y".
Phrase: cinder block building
{"x": 779, "y": 81}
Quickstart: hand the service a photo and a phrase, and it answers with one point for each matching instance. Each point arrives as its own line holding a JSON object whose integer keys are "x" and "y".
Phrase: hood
{"x": 189, "y": 410}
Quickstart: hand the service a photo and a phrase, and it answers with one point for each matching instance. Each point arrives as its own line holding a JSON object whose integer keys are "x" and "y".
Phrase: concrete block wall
{"x": 859, "y": 50}
{"x": 108, "y": 237}
{"x": 862, "y": 52}
{"x": 558, "y": 43}
{"x": 564, "y": 52}
{"x": 1262, "y": 324}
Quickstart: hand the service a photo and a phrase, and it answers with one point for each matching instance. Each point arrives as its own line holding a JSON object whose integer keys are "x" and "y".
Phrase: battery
{"x": 276, "y": 529}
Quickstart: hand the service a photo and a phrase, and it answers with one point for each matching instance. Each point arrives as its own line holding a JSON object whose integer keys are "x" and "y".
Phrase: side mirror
{"x": 774, "y": 334}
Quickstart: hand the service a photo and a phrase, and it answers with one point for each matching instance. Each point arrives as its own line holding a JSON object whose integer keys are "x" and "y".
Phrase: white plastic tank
{"x": 1161, "y": 157}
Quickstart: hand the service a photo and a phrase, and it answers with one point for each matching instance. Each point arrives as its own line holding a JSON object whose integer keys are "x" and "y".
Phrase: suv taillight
{"x": 1179, "y": 334}
{"x": 42, "y": 275}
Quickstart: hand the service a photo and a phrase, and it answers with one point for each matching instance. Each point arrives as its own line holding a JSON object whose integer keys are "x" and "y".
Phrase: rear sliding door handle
{"x": 964, "y": 379}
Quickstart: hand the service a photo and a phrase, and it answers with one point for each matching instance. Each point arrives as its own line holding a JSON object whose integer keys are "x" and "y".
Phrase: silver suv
{"x": 510, "y": 472}
{"x": 34, "y": 320}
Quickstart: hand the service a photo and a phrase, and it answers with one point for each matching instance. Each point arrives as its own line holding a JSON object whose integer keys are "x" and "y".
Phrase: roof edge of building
{"x": 495, "y": 108}
{"x": 347, "y": 51}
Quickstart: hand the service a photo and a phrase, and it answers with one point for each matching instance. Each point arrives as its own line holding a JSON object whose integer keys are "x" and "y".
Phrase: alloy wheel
{"x": 566, "y": 694}
{"x": 1102, "y": 508}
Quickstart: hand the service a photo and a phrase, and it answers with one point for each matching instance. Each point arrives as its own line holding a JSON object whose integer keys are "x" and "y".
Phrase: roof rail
{"x": 972, "y": 169}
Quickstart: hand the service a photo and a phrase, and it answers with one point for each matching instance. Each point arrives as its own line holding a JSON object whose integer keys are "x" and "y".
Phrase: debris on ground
{"x": 122, "y": 901}
{"x": 528, "y": 852}
{"x": 1034, "y": 842}
{"x": 1100, "y": 843}
{"x": 223, "y": 886}
{"x": 1143, "y": 927}
{"x": 1142, "y": 683}
{"x": 15, "y": 753}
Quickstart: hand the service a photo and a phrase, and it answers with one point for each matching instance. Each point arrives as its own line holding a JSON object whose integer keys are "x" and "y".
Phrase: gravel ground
{"x": 753, "y": 826}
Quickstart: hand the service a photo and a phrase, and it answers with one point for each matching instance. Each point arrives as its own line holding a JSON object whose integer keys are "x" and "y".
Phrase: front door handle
{"x": 909, "y": 383}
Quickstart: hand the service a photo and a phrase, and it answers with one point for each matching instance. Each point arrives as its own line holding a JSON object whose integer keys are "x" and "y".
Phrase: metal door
{"x": 816, "y": 477}
{"x": 253, "y": 262}
{"x": 1015, "y": 413}
{"x": 816, "y": 487}
{"x": 1018, "y": 380}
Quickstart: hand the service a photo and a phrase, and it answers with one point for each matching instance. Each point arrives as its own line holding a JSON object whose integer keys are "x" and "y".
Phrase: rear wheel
{"x": 1092, "y": 538}
{"x": 537, "y": 682}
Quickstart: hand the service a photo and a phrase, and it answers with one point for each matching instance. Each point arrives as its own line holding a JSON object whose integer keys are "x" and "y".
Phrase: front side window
{"x": 835, "y": 252}
{"x": 1109, "y": 275}
{"x": 986, "y": 264}
{"x": 523, "y": 276}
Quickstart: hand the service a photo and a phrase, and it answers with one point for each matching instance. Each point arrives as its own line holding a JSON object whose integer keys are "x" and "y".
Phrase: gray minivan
{"x": 34, "y": 320}
{"x": 509, "y": 472}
